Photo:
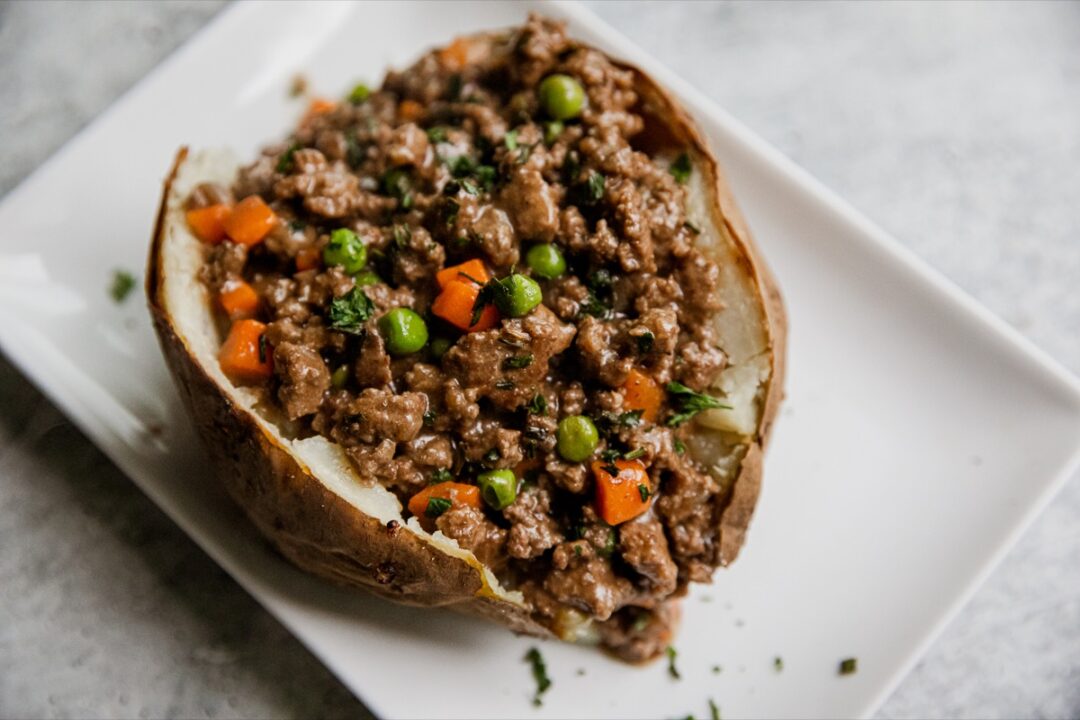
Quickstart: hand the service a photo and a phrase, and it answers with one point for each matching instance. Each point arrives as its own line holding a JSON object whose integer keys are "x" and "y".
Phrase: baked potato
{"x": 562, "y": 451}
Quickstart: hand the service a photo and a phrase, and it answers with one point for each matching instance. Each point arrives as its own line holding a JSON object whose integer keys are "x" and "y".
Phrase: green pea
{"x": 518, "y": 295}
{"x": 404, "y": 331}
{"x": 366, "y": 278}
{"x": 497, "y": 487}
{"x": 347, "y": 250}
{"x": 439, "y": 346}
{"x": 562, "y": 97}
{"x": 546, "y": 261}
{"x": 340, "y": 377}
{"x": 577, "y": 438}
{"x": 359, "y": 94}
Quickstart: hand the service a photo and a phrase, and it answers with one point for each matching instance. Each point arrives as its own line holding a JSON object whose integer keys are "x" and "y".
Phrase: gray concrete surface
{"x": 956, "y": 127}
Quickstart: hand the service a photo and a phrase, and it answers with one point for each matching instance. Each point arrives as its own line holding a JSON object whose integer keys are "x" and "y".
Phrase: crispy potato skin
{"x": 323, "y": 534}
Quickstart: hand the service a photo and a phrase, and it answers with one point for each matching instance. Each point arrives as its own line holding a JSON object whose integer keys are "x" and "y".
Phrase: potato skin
{"x": 323, "y": 534}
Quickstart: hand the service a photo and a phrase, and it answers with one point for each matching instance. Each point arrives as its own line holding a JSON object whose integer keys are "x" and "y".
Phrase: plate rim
{"x": 75, "y": 405}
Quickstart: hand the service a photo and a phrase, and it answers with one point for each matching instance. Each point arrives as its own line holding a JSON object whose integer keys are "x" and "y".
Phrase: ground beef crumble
{"x": 452, "y": 160}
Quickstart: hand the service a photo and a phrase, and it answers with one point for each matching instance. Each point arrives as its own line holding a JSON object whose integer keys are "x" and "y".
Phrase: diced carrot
{"x": 208, "y": 223}
{"x": 465, "y": 272}
{"x": 455, "y": 305}
{"x": 624, "y": 496}
{"x": 456, "y": 493}
{"x": 308, "y": 259}
{"x": 238, "y": 299}
{"x": 245, "y": 356}
{"x": 250, "y": 221}
{"x": 457, "y": 54}
{"x": 641, "y": 392}
{"x": 319, "y": 106}
{"x": 409, "y": 110}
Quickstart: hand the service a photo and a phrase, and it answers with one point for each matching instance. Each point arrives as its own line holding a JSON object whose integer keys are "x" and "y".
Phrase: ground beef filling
{"x": 456, "y": 159}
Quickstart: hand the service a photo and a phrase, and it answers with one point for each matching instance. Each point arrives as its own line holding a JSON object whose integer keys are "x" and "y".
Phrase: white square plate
{"x": 919, "y": 437}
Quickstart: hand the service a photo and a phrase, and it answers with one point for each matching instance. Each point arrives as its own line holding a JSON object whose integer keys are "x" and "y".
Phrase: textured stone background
{"x": 956, "y": 127}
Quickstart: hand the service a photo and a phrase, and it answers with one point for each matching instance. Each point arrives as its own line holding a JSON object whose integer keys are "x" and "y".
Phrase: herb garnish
{"x": 464, "y": 166}
{"x": 436, "y": 134}
{"x": 539, "y": 673}
{"x": 263, "y": 343}
{"x": 679, "y": 445}
{"x": 122, "y": 284}
{"x": 848, "y": 666}
{"x": 594, "y": 188}
{"x": 645, "y": 342}
{"x": 359, "y": 94}
{"x": 396, "y": 184}
{"x": 681, "y": 168}
{"x": 778, "y": 664}
{"x": 285, "y": 162}
{"x": 692, "y": 227}
{"x": 595, "y": 306}
{"x": 436, "y": 506}
{"x": 671, "y": 655}
{"x": 643, "y": 491}
{"x": 538, "y": 405}
{"x": 510, "y": 139}
{"x": 690, "y": 403}
{"x": 517, "y": 362}
{"x": 350, "y": 311}
{"x": 429, "y": 418}
{"x": 634, "y": 454}
{"x": 441, "y": 475}
{"x": 714, "y": 710}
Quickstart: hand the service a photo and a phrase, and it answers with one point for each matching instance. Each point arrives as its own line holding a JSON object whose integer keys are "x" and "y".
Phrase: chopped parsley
{"x": 645, "y": 342}
{"x": 848, "y": 666}
{"x": 263, "y": 343}
{"x": 436, "y": 134}
{"x": 517, "y": 362}
{"x": 594, "y": 188}
{"x": 717, "y": 669}
{"x": 681, "y": 168}
{"x": 714, "y": 710}
{"x": 436, "y": 506}
{"x": 671, "y": 655}
{"x": 538, "y": 405}
{"x": 634, "y": 454}
{"x": 285, "y": 162}
{"x": 539, "y": 673}
{"x": 510, "y": 139}
{"x": 778, "y": 664}
{"x": 643, "y": 491}
{"x": 464, "y": 166}
{"x": 679, "y": 445}
{"x": 611, "y": 469}
{"x": 441, "y": 475}
{"x": 350, "y": 311}
{"x": 123, "y": 283}
{"x": 595, "y": 306}
{"x": 690, "y": 403}
{"x": 396, "y": 184}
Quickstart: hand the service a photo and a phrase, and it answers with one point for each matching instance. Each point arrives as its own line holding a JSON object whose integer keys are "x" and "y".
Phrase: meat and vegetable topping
{"x": 481, "y": 281}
